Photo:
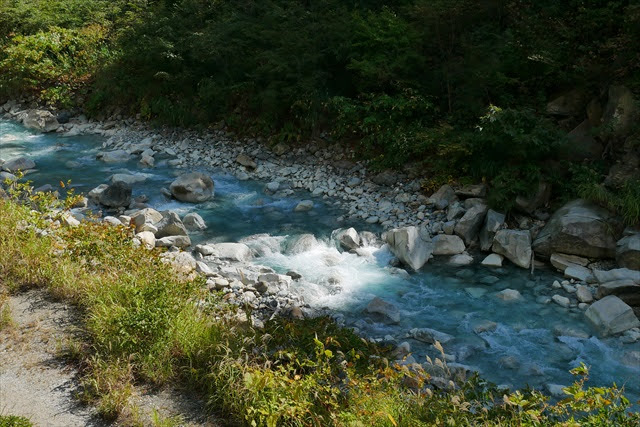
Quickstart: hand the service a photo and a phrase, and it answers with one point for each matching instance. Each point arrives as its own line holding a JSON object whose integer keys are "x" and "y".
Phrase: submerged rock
{"x": 611, "y": 315}
{"x": 18, "y": 164}
{"x": 383, "y": 310}
{"x": 430, "y": 336}
{"x": 298, "y": 244}
{"x": 116, "y": 156}
{"x": 194, "y": 187}
{"x": 304, "y": 206}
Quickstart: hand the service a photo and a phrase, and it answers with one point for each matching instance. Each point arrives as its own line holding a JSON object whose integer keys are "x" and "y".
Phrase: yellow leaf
{"x": 392, "y": 420}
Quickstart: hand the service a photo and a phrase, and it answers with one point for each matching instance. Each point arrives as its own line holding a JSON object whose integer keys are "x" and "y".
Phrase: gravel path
{"x": 36, "y": 383}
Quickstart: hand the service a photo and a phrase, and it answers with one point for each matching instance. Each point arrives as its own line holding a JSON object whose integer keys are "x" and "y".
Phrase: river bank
{"x": 332, "y": 274}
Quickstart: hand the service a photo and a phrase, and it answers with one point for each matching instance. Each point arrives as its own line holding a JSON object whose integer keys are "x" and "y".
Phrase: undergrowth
{"x": 146, "y": 324}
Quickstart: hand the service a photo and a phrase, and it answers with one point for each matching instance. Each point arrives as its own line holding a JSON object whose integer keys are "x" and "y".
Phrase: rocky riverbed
{"x": 487, "y": 304}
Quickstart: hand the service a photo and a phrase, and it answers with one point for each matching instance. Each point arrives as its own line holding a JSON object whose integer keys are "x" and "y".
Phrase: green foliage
{"x": 14, "y": 421}
{"x": 53, "y": 63}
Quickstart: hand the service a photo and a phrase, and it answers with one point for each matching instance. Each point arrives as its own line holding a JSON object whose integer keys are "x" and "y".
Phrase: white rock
{"x": 493, "y": 260}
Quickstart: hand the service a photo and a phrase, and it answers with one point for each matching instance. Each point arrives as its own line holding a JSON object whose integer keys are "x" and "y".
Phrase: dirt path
{"x": 37, "y": 384}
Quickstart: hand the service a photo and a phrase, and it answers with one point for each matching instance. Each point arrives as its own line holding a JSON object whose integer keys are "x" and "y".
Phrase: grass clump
{"x": 14, "y": 421}
{"x": 146, "y": 324}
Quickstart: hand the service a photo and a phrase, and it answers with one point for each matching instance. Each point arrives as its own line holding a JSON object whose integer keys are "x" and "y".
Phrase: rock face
{"x": 611, "y": 315}
{"x": 621, "y": 111}
{"x": 493, "y": 222}
{"x": 469, "y": 225}
{"x": 409, "y": 246}
{"x": 384, "y": 311}
{"x": 193, "y": 187}
{"x": 447, "y": 245}
{"x": 41, "y": 120}
{"x": 18, "y": 164}
{"x": 348, "y": 239}
{"x": 116, "y": 195}
{"x": 515, "y": 245}
{"x": 628, "y": 252}
{"x": 579, "y": 228}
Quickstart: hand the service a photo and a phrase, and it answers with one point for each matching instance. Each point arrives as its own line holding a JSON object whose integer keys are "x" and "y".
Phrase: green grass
{"x": 14, "y": 421}
{"x": 144, "y": 324}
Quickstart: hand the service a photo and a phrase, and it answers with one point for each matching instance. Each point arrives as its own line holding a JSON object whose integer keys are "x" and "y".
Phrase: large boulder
{"x": 492, "y": 223}
{"x": 611, "y": 315}
{"x": 443, "y": 197}
{"x": 145, "y": 216}
{"x": 628, "y": 252}
{"x": 604, "y": 276}
{"x": 348, "y": 240}
{"x": 194, "y": 222}
{"x": 627, "y": 290}
{"x": 116, "y": 195}
{"x": 170, "y": 225}
{"x": 444, "y": 244}
{"x": 579, "y": 228}
{"x": 229, "y": 251}
{"x": 18, "y": 164}
{"x": 469, "y": 225}
{"x": 410, "y": 246}
{"x": 515, "y": 245}
{"x": 41, "y": 120}
{"x": 177, "y": 241}
{"x": 194, "y": 187}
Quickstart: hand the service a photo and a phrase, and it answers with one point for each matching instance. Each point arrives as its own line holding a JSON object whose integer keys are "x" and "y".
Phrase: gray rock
{"x": 96, "y": 192}
{"x": 537, "y": 200}
{"x": 41, "y": 120}
{"x": 493, "y": 222}
{"x": 562, "y": 261}
{"x": 604, "y": 276}
{"x": 194, "y": 187}
{"x": 515, "y": 245}
{"x": 621, "y": 111}
{"x": 628, "y": 252}
{"x": 409, "y": 246}
{"x": 204, "y": 269}
{"x": 383, "y": 310}
{"x": 127, "y": 178}
{"x": 304, "y": 206}
{"x": 469, "y": 225}
{"x": 447, "y": 245}
{"x": 611, "y": 315}
{"x": 170, "y": 225}
{"x": 461, "y": 260}
{"x": 349, "y": 239}
{"x": 580, "y": 273}
{"x": 301, "y": 243}
{"x": 579, "y": 228}
{"x": 455, "y": 211}
{"x": 430, "y": 336}
{"x": 229, "y": 251}
{"x": 272, "y": 187}
{"x": 627, "y": 290}
{"x": 145, "y": 216}
{"x": 183, "y": 262}
{"x": 18, "y": 164}
{"x": 177, "y": 241}
{"x": 443, "y": 197}
{"x": 509, "y": 295}
{"x": 561, "y": 301}
{"x": 147, "y": 239}
{"x": 246, "y": 161}
{"x": 493, "y": 260}
{"x": 194, "y": 222}
{"x": 116, "y": 156}
{"x": 583, "y": 293}
{"x": 472, "y": 190}
{"x": 116, "y": 195}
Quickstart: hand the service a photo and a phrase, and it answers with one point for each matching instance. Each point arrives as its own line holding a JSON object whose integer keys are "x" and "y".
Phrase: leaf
{"x": 392, "y": 420}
